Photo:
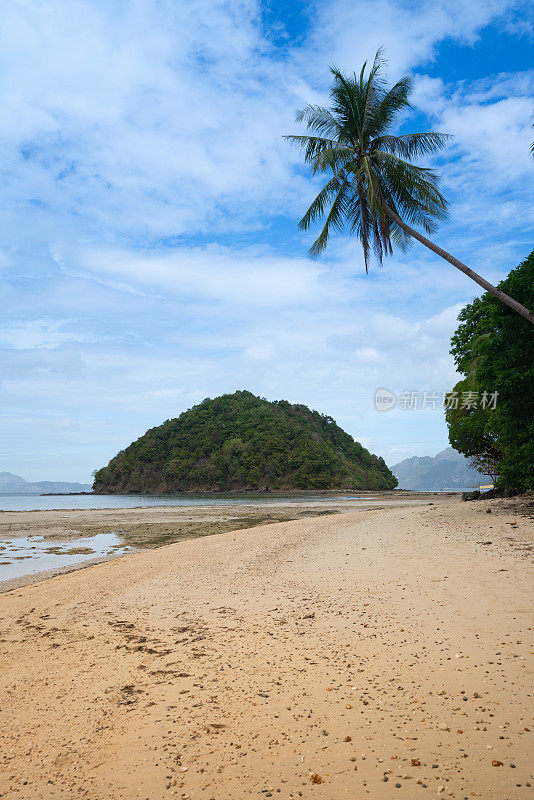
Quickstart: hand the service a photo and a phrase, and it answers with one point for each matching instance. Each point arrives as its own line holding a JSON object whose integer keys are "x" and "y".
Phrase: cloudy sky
{"x": 149, "y": 252}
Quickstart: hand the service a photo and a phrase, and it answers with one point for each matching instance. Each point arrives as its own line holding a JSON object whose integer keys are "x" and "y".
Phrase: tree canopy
{"x": 494, "y": 349}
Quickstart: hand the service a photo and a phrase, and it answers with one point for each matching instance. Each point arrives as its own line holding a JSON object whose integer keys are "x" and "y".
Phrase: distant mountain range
{"x": 446, "y": 470}
{"x": 14, "y": 484}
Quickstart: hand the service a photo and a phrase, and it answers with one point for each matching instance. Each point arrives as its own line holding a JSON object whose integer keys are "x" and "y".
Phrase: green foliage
{"x": 239, "y": 441}
{"x": 494, "y": 348}
{"x": 370, "y": 168}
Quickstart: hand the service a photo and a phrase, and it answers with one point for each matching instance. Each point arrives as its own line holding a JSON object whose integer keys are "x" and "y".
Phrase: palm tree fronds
{"x": 313, "y": 146}
{"x": 335, "y": 219}
{"x": 411, "y": 145}
{"x": 318, "y": 119}
{"x": 318, "y": 206}
{"x": 371, "y": 169}
{"x": 382, "y": 113}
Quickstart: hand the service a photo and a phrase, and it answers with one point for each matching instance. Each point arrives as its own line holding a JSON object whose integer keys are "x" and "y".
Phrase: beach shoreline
{"x": 144, "y": 527}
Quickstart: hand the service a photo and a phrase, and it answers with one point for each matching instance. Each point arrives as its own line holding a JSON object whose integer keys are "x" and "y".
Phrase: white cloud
{"x": 41, "y": 333}
{"x": 260, "y": 352}
{"x": 146, "y": 117}
{"x": 154, "y": 119}
{"x": 252, "y": 275}
{"x": 409, "y": 32}
{"x": 367, "y": 355}
{"x": 491, "y": 122}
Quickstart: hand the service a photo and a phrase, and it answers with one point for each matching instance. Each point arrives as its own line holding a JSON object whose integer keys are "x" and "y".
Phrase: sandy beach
{"x": 374, "y": 653}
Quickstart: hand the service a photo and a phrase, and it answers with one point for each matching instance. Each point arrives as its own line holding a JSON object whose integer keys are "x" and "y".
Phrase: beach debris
{"x": 316, "y": 778}
{"x": 126, "y": 697}
{"x": 496, "y": 763}
{"x": 213, "y": 727}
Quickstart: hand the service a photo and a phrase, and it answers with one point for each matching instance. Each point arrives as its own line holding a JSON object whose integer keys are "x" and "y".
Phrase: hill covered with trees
{"x": 243, "y": 442}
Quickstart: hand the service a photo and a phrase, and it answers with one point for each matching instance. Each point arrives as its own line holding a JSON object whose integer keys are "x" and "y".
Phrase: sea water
{"x": 27, "y": 555}
{"x": 33, "y": 502}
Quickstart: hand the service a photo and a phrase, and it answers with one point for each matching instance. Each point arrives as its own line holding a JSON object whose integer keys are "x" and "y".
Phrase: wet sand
{"x": 142, "y": 523}
{"x": 48, "y": 536}
{"x": 376, "y": 653}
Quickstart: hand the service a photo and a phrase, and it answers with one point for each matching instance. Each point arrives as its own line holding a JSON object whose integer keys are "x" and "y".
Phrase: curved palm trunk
{"x": 489, "y": 287}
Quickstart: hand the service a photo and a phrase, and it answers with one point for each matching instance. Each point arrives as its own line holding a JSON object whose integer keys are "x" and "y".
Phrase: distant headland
{"x": 14, "y": 484}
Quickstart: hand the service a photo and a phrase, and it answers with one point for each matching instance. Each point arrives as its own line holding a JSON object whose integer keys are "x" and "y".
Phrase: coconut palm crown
{"x": 374, "y": 191}
{"x": 371, "y": 169}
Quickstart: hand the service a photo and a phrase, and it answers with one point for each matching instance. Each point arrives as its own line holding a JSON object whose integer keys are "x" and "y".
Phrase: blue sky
{"x": 149, "y": 251}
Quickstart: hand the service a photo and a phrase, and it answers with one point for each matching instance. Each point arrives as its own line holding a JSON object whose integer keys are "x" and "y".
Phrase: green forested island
{"x": 243, "y": 442}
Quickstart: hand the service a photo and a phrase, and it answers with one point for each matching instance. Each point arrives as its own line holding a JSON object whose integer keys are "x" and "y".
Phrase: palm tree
{"x": 374, "y": 190}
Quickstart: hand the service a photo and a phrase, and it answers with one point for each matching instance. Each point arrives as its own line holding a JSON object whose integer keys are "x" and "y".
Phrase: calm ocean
{"x": 32, "y": 502}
